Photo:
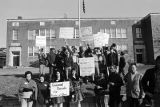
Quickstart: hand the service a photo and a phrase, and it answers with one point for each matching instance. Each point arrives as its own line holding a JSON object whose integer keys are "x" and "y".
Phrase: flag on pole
{"x": 83, "y": 7}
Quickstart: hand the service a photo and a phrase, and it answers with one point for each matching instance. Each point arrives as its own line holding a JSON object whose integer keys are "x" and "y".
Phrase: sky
{"x": 10, "y": 9}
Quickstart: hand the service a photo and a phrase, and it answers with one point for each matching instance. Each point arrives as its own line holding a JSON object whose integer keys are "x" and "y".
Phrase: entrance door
{"x": 139, "y": 58}
{"x": 16, "y": 58}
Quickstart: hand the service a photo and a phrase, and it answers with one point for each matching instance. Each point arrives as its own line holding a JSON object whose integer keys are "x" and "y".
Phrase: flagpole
{"x": 79, "y": 18}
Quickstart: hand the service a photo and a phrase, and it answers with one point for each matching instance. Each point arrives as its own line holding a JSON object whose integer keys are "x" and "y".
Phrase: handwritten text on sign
{"x": 87, "y": 66}
{"x": 59, "y": 89}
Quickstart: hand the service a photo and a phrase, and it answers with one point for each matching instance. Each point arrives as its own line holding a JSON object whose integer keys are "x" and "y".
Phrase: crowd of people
{"x": 109, "y": 78}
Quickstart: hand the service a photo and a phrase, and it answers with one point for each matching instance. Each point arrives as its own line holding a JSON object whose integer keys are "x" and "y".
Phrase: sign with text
{"x": 87, "y": 66}
{"x": 59, "y": 89}
{"x": 41, "y": 41}
{"x": 66, "y": 32}
{"x": 100, "y": 39}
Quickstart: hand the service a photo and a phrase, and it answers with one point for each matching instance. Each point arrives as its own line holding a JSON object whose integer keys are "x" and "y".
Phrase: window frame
{"x": 15, "y": 37}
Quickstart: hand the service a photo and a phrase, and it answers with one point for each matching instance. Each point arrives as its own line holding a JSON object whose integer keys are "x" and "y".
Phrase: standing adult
{"x": 81, "y": 53}
{"x": 134, "y": 88}
{"x": 151, "y": 84}
{"x": 42, "y": 62}
{"x": 112, "y": 58}
{"x": 68, "y": 63}
{"x": 100, "y": 90}
{"x": 122, "y": 64}
{"x": 96, "y": 62}
{"x": 51, "y": 62}
{"x": 43, "y": 92}
{"x": 115, "y": 83}
{"x": 27, "y": 90}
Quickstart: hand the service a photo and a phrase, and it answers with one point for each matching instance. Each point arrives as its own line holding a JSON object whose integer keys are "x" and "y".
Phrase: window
{"x": 36, "y": 51}
{"x": 76, "y": 33}
{"x": 124, "y": 47}
{"x": 15, "y": 34}
{"x": 139, "y": 50}
{"x": 31, "y": 34}
{"x": 107, "y": 31}
{"x": 121, "y": 47}
{"x": 30, "y": 51}
{"x": 52, "y": 34}
{"x": 138, "y": 33}
{"x": 42, "y": 32}
{"x": 42, "y": 23}
{"x": 120, "y": 33}
{"x": 48, "y": 33}
{"x": 15, "y": 23}
{"x": 113, "y": 22}
{"x": 76, "y": 23}
{"x": 37, "y": 32}
{"x": 112, "y": 33}
{"x": 124, "y": 33}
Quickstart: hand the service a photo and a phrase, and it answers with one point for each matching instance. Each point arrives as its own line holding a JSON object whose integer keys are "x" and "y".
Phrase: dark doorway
{"x": 16, "y": 58}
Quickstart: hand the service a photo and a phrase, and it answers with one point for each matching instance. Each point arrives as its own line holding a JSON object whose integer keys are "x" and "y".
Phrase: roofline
{"x": 50, "y": 19}
{"x": 147, "y": 16}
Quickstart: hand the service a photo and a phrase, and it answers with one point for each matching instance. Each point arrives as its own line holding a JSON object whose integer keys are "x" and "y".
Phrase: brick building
{"x": 146, "y": 35}
{"x": 21, "y": 34}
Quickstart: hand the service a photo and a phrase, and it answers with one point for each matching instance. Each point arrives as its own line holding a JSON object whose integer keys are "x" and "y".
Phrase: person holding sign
{"x": 76, "y": 95}
{"x": 27, "y": 90}
{"x": 57, "y": 101}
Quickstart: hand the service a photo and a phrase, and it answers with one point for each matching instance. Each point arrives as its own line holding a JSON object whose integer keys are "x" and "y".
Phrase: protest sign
{"x": 100, "y": 39}
{"x": 87, "y": 66}
{"x": 40, "y": 41}
{"x": 66, "y": 32}
{"x": 59, "y": 89}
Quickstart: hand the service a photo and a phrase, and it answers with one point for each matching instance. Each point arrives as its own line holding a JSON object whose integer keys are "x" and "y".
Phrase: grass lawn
{"x": 10, "y": 78}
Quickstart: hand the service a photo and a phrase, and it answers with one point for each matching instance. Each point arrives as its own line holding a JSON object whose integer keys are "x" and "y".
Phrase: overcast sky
{"x": 10, "y": 9}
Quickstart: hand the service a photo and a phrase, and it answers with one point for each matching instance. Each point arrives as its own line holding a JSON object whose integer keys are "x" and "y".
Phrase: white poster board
{"x": 66, "y": 32}
{"x": 87, "y": 66}
{"x": 59, "y": 89}
{"x": 100, "y": 39}
{"x": 40, "y": 41}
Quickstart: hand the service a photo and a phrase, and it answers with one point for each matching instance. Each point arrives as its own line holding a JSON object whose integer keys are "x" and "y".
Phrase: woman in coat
{"x": 27, "y": 90}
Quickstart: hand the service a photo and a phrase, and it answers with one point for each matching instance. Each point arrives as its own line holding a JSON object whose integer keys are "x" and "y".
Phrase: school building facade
{"x": 21, "y": 35}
